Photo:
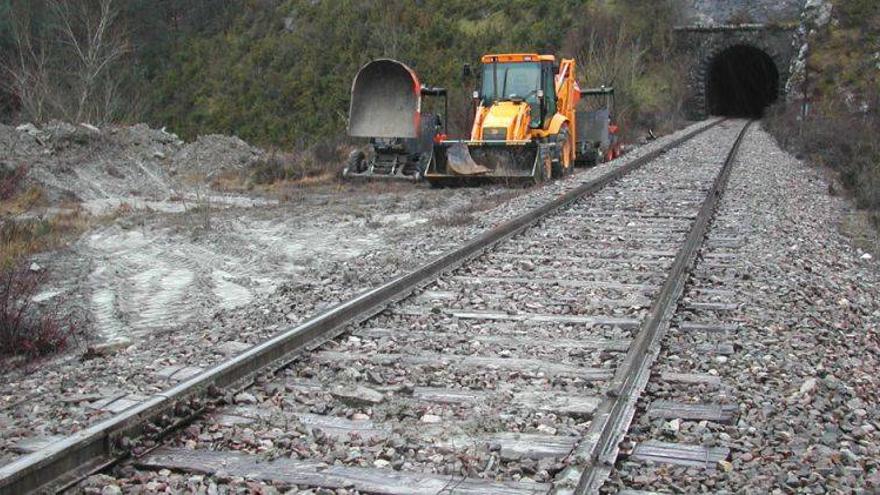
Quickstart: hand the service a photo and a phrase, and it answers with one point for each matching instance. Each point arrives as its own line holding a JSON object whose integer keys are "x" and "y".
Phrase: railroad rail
{"x": 633, "y": 268}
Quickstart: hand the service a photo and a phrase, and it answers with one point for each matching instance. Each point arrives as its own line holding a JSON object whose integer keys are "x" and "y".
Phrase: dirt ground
{"x": 150, "y": 272}
{"x": 166, "y": 248}
{"x": 179, "y": 274}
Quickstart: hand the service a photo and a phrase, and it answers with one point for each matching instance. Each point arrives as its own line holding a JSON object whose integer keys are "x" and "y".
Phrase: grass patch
{"x": 11, "y": 179}
{"x": 281, "y": 171}
{"x": 285, "y": 167}
{"x": 22, "y": 202}
{"x": 469, "y": 214}
{"x": 27, "y": 331}
{"x": 490, "y": 202}
{"x": 861, "y": 227}
{"x": 15, "y": 196}
{"x": 20, "y": 239}
{"x": 22, "y": 235}
{"x": 845, "y": 144}
{"x": 459, "y": 219}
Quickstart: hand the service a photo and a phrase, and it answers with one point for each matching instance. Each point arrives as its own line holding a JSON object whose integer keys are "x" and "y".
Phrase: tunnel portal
{"x": 742, "y": 82}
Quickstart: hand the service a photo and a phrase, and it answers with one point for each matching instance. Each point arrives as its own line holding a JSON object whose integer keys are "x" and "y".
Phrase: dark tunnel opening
{"x": 743, "y": 81}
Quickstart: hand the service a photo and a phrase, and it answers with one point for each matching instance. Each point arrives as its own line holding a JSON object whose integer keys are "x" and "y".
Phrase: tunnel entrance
{"x": 743, "y": 81}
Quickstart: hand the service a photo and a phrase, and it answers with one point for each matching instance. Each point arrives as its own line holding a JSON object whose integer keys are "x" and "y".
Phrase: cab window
{"x": 507, "y": 80}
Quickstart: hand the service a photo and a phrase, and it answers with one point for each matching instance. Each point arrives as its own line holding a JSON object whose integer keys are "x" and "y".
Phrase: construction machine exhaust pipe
{"x": 385, "y": 101}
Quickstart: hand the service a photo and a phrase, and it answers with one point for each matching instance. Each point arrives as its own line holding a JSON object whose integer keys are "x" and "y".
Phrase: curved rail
{"x": 109, "y": 441}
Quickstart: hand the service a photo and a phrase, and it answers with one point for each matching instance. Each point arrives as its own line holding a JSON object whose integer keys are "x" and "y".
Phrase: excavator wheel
{"x": 545, "y": 164}
{"x": 567, "y": 149}
{"x": 561, "y": 154}
{"x": 557, "y": 170}
{"x": 590, "y": 158}
{"x": 546, "y": 157}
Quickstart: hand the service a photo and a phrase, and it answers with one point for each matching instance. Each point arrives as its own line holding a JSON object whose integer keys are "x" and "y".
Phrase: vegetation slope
{"x": 278, "y": 72}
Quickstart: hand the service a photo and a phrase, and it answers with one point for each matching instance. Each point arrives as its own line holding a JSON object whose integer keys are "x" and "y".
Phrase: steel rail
{"x": 612, "y": 419}
{"x": 104, "y": 443}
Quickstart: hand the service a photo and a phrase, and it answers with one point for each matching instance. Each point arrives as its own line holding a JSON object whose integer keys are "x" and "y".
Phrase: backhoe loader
{"x": 524, "y": 128}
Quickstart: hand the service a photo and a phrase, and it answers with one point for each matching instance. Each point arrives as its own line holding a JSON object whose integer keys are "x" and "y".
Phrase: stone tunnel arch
{"x": 701, "y": 46}
{"x": 741, "y": 81}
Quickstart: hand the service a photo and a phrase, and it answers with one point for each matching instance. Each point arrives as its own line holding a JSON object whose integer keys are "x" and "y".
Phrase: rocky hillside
{"x": 833, "y": 111}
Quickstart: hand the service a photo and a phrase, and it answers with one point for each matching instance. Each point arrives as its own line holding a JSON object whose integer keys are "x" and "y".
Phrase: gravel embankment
{"x": 803, "y": 375}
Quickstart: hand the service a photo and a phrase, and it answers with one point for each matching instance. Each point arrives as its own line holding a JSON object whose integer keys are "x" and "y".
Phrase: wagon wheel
{"x": 356, "y": 163}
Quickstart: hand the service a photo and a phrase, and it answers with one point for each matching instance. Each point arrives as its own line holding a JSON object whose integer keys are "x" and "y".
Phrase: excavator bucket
{"x": 385, "y": 101}
{"x": 461, "y": 163}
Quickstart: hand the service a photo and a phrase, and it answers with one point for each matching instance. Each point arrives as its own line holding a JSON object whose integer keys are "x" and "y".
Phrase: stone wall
{"x": 720, "y": 12}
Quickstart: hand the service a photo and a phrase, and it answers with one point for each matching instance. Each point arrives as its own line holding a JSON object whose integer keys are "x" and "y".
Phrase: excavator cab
{"x": 531, "y": 82}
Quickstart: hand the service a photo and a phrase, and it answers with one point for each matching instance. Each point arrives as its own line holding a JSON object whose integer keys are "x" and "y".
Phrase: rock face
{"x": 703, "y": 45}
{"x": 715, "y": 12}
{"x": 815, "y": 15}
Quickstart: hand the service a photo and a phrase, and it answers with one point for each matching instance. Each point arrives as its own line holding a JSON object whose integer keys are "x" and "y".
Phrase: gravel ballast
{"x": 802, "y": 316}
{"x": 306, "y": 412}
{"x": 781, "y": 310}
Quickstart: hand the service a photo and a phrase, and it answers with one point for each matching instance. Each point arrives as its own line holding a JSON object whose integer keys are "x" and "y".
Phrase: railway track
{"x": 511, "y": 365}
{"x": 680, "y": 434}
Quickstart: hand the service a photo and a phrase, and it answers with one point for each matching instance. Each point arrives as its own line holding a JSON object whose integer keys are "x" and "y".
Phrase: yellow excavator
{"x": 525, "y": 125}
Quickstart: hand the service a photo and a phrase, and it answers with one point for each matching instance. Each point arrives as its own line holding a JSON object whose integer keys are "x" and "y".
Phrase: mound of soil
{"x": 85, "y": 163}
{"x": 215, "y": 153}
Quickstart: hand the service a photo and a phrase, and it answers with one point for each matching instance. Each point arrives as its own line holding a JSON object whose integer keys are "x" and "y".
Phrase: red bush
{"x": 24, "y": 330}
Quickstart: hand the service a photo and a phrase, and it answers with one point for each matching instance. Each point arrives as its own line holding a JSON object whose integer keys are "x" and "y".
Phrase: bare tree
{"x": 28, "y": 71}
{"x": 636, "y": 55}
{"x": 90, "y": 36}
{"x": 608, "y": 55}
{"x": 68, "y": 71}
